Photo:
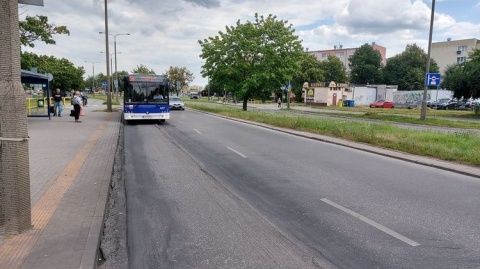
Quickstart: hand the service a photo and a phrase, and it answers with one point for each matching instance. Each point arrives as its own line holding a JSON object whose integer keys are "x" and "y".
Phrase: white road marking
{"x": 239, "y": 153}
{"x": 197, "y": 131}
{"x": 179, "y": 121}
{"x": 373, "y": 223}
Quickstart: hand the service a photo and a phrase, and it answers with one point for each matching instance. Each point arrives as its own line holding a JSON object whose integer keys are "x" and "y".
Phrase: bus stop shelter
{"x": 29, "y": 77}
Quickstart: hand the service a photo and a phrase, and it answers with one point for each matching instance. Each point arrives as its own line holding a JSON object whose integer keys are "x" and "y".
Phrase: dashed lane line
{"x": 373, "y": 223}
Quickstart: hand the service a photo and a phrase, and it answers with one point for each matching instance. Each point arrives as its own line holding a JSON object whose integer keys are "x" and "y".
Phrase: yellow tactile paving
{"x": 16, "y": 248}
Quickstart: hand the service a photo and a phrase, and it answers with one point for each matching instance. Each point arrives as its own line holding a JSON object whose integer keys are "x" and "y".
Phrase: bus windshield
{"x": 138, "y": 91}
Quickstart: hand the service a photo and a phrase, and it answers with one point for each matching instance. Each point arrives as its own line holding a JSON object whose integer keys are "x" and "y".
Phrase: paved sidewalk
{"x": 70, "y": 169}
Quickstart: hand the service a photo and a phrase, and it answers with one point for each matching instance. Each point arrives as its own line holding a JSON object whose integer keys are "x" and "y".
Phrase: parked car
{"x": 193, "y": 96}
{"x": 382, "y": 104}
{"x": 442, "y": 103}
{"x": 453, "y": 104}
{"x": 176, "y": 103}
{"x": 415, "y": 104}
{"x": 470, "y": 104}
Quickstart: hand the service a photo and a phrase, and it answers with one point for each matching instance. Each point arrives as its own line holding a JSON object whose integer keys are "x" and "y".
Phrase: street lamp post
{"x": 111, "y": 59}
{"x": 107, "y": 49}
{"x": 115, "y": 52}
{"x": 93, "y": 74}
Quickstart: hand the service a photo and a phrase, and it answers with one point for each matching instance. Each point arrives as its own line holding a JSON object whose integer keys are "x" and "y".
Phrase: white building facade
{"x": 452, "y": 52}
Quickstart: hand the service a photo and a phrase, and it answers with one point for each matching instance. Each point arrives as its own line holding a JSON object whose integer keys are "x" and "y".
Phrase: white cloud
{"x": 165, "y": 33}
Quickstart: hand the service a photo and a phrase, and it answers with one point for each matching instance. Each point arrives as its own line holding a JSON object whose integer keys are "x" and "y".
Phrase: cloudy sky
{"x": 166, "y": 33}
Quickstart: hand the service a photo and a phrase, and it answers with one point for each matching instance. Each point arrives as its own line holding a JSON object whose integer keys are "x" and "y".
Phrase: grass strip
{"x": 461, "y": 147}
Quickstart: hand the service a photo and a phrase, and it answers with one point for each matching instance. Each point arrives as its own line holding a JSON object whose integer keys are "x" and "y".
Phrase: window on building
{"x": 462, "y": 48}
{"x": 324, "y": 55}
{"x": 339, "y": 54}
{"x": 461, "y": 59}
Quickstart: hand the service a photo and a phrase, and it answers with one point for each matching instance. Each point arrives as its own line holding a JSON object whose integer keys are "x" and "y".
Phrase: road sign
{"x": 432, "y": 79}
{"x": 104, "y": 84}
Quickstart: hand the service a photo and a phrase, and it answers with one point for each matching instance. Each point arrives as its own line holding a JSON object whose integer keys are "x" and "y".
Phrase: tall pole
{"x": 423, "y": 113}
{"x": 115, "y": 49}
{"x": 116, "y": 73}
{"x": 93, "y": 73}
{"x": 93, "y": 78}
{"x": 107, "y": 61}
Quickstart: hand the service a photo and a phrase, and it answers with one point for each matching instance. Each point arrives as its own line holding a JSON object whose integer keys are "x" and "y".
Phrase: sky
{"x": 166, "y": 33}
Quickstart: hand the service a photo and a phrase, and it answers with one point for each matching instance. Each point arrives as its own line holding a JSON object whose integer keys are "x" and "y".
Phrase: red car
{"x": 383, "y": 104}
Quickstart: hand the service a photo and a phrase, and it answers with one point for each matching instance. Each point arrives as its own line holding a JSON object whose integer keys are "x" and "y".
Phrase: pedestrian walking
{"x": 279, "y": 102}
{"x": 77, "y": 102}
{"x": 84, "y": 98}
{"x": 58, "y": 100}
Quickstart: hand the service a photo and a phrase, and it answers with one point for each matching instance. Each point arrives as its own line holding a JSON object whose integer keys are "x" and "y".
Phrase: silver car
{"x": 176, "y": 103}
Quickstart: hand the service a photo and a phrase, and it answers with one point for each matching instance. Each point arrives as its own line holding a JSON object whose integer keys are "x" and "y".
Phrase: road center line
{"x": 373, "y": 223}
{"x": 239, "y": 153}
{"x": 198, "y": 132}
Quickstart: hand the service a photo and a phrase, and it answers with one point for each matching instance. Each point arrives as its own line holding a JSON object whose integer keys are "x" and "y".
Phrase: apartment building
{"x": 344, "y": 54}
{"x": 452, "y": 51}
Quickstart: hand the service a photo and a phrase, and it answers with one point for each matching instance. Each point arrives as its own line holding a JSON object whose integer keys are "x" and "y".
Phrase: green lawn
{"x": 457, "y": 147}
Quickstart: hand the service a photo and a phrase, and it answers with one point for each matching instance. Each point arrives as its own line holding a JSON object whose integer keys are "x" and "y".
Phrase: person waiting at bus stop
{"x": 58, "y": 100}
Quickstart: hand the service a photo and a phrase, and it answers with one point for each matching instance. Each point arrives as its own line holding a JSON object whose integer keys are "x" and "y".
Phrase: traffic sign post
{"x": 289, "y": 90}
{"x": 432, "y": 79}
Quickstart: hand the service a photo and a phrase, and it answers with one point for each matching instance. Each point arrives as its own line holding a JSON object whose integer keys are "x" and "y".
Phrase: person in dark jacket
{"x": 58, "y": 103}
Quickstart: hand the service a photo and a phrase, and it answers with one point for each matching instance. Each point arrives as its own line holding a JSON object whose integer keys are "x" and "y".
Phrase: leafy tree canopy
{"x": 334, "y": 70}
{"x": 366, "y": 66}
{"x": 179, "y": 74}
{"x": 38, "y": 28}
{"x": 253, "y": 58}
{"x": 311, "y": 70}
{"x": 464, "y": 78}
{"x": 407, "y": 70}
{"x": 142, "y": 69}
{"x": 65, "y": 75}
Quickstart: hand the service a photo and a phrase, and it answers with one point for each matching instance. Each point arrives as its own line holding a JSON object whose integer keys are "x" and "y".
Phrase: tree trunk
{"x": 15, "y": 208}
{"x": 245, "y": 102}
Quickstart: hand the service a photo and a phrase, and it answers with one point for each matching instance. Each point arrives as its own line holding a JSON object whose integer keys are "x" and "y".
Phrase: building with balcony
{"x": 344, "y": 54}
{"x": 452, "y": 51}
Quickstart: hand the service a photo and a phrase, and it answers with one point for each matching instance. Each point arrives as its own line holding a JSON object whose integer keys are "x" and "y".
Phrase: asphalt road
{"x": 205, "y": 192}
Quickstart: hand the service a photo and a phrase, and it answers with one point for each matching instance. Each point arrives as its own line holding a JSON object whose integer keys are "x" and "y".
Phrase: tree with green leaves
{"x": 142, "y": 69}
{"x": 38, "y": 28}
{"x": 65, "y": 75}
{"x": 366, "y": 66}
{"x": 464, "y": 78}
{"x": 311, "y": 70}
{"x": 181, "y": 75}
{"x": 253, "y": 58}
{"x": 407, "y": 70}
{"x": 334, "y": 70}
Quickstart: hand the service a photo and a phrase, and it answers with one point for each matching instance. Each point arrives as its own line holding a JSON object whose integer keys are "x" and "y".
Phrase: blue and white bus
{"x": 146, "y": 97}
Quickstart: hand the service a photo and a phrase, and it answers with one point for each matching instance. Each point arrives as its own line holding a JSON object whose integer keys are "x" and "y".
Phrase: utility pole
{"x": 15, "y": 205}
{"x": 423, "y": 113}
{"x": 93, "y": 73}
{"x": 107, "y": 61}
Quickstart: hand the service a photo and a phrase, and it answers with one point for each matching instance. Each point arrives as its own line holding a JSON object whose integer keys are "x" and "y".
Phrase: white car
{"x": 176, "y": 103}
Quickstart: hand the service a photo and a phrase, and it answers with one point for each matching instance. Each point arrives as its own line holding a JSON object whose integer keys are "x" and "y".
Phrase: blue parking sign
{"x": 104, "y": 84}
{"x": 432, "y": 79}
